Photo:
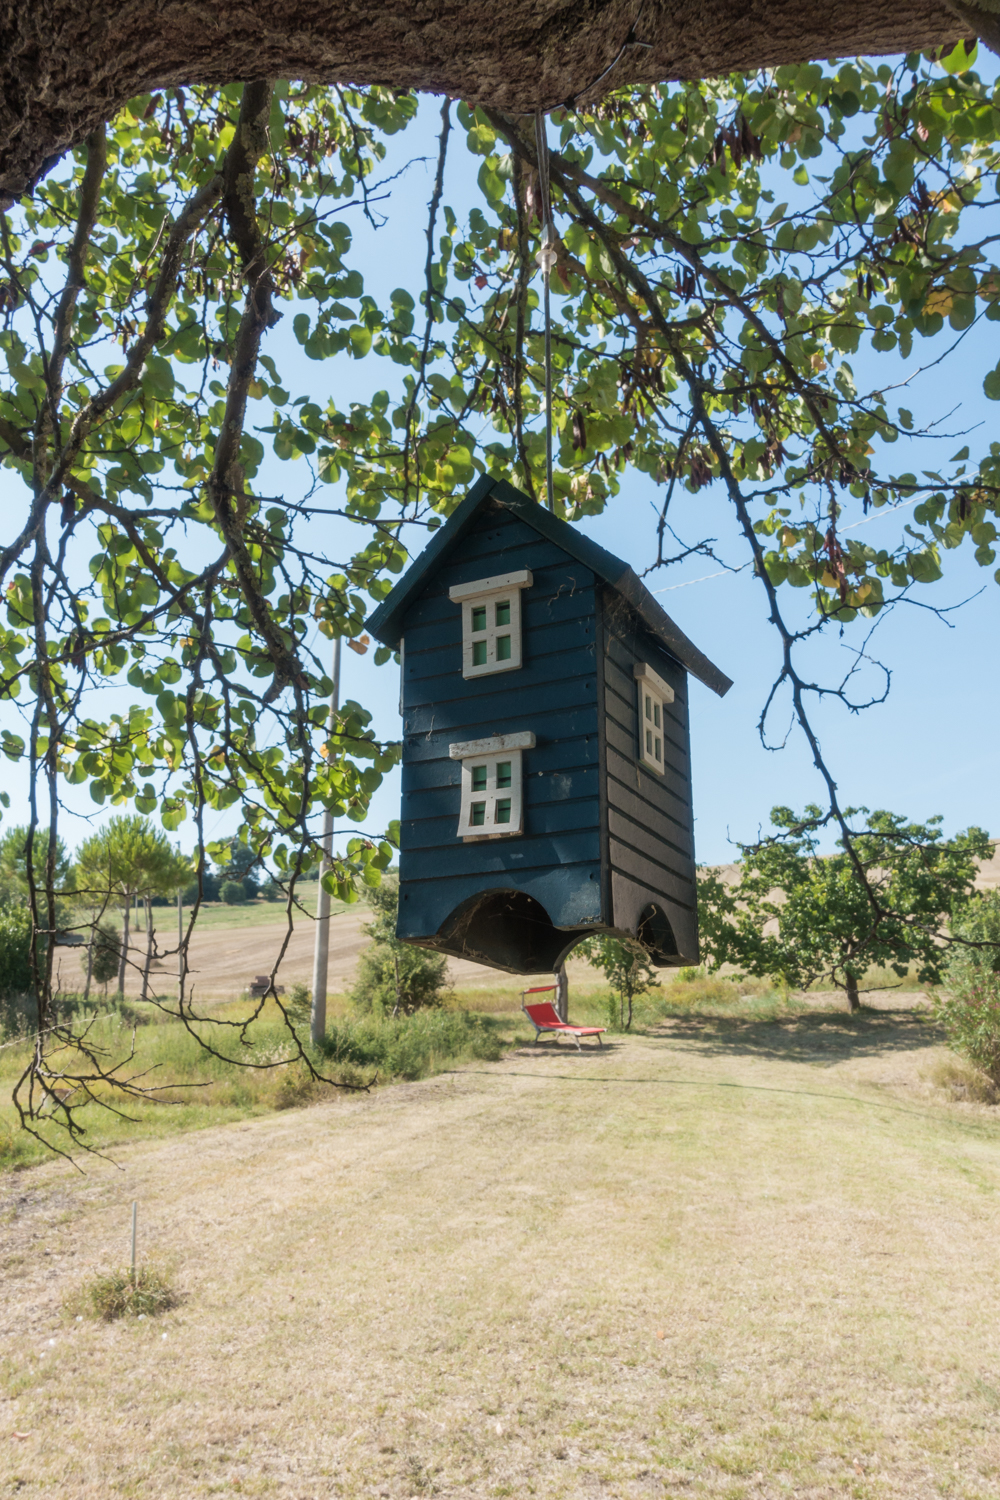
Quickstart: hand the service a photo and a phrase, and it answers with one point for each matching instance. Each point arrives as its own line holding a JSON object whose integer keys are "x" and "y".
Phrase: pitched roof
{"x": 386, "y": 623}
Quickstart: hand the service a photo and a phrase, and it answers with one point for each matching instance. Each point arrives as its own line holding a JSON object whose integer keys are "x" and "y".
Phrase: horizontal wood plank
{"x": 540, "y": 790}
{"x": 553, "y": 760}
{"x": 674, "y": 781}
{"x": 660, "y": 825}
{"x": 540, "y": 821}
{"x": 651, "y": 873}
{"x": 645, "y": 842}
{"x": 501, "y": 857}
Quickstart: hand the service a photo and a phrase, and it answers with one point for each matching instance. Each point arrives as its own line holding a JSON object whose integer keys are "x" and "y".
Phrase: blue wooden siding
{"x": 554, "y": 694}
{"x": 650, "y": 819}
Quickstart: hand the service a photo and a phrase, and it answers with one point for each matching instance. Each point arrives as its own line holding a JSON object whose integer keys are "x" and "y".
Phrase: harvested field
{"x": 731, "y": 1258}
{"x": 224, "y": 958}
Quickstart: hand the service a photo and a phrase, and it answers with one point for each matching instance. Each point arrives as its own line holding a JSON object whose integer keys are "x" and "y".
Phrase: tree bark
{"x": 149, "y": 948}
{"x": 853, "y": 999}
{"x": 90, "y": 957}
{"x": 123, "y": 960}
{"x": 66, "y": 65}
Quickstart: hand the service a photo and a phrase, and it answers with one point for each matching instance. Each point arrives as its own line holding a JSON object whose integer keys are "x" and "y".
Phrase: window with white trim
{"x": 491, "y": 622}
{"x": 654, "y": 695}
{"x": 492, "y": 803}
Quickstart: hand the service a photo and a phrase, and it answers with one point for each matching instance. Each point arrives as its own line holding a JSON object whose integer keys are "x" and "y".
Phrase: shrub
{"x": 970, "y": 1008}
{"x": 210, "y": 885}
{"x": 410, "y": 1046}
{"x": 394, "y": 977}
{"x": 233, "y": 892}
{"x": 628, "y": 971}
{"x": 15, "y": 949}
{"x": 118, "y": 1296}
{"x": 107, "y": 954}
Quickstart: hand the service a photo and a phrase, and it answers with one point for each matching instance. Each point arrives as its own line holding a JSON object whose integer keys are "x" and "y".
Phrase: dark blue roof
{"x": 386, "y": 623}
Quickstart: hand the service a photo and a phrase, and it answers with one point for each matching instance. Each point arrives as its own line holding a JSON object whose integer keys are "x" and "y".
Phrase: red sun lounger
{"x": 544, "y": 1017}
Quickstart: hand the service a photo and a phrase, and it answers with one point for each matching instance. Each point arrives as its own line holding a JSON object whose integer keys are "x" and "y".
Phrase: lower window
{"x": 492, "y": 802}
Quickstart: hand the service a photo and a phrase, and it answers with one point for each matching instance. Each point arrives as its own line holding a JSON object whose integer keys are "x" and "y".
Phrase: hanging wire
{"x": 546, "y": 259}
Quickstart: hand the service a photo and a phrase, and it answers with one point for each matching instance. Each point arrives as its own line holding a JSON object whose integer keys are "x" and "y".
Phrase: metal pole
{"x": 135, "y": 1210}
{"x": 321, "y": 953}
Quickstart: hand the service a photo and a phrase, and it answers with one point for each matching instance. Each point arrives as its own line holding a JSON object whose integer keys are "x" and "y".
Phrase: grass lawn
{"x": 215, "y": 915}
{"x": 737, "y": 1256}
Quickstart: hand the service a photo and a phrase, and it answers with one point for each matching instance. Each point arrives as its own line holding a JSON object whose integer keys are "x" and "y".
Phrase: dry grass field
{"x": 730, "y": 1258}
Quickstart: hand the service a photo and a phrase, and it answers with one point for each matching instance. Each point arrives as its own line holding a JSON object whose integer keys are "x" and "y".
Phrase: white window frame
{"x": 484, "y": 757}
{"x": 485, "y": 594}
{"x": 653, "y": 696}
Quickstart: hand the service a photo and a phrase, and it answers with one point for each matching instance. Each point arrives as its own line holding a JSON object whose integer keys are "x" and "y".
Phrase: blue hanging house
{"x": 546, "y": 758}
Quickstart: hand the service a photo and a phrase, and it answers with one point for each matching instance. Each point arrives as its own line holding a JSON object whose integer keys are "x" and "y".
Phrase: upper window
{"x": 491, "y": 622}
{"x": 492, "y": 802}
{"x": 654, "y": 695}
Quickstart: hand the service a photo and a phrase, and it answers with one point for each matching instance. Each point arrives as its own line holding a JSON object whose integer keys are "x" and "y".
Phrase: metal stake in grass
{"x": 135, "y": 1211}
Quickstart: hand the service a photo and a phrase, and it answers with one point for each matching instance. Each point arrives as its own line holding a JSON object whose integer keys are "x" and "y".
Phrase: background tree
{"x": 794, "y": 915}
{"x": 128, "y": 858}
{"x": 240, "y": 864}
{"x": 103, "y": 956}
{"x": 14, "y": 863}
{"x": 969, "y": 1007}
{"x": 395, "y": 977}
{"x": 627, "y": 969}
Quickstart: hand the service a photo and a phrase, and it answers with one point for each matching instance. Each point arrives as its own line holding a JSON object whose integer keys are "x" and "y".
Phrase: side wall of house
{"x": 650, "y": 821}
{"x": 557, "y": 860}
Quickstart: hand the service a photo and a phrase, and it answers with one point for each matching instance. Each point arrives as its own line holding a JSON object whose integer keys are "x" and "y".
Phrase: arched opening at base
{"x": 508, "y": 930}
{"x": 656, "y": 935}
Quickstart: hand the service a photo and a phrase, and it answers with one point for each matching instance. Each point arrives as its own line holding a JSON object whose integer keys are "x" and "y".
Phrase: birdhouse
{"x": 546, "y": 758}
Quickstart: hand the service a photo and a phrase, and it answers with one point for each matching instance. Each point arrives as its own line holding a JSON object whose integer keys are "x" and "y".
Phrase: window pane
{"x": 479, "y": 653}
{"x": 478, "y": 814}
{"x": 502, "y": 814}
{"x": 656, "y": 750}
{"x": 503, "y": 773}
{"x": 649, "y": 709}
{"x": 656, "y": 715}
{"x": 503, "y": 648}
{"x": 649, "y": 742}
{"x": 503, "y": 612}
{"x": 479, "y": 617}
{"x": 479, "y": 778}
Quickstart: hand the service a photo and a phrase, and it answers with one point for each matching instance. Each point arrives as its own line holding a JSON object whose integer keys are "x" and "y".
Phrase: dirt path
{"x": 733, "y": 1260}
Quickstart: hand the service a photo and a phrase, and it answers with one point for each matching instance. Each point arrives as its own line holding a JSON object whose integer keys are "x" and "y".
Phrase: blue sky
{"x": 929, "y": 749}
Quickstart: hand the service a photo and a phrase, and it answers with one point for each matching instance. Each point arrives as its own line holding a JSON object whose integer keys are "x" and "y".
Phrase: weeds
{"x": 118, "y": 1295}
{"x": 197, "y": 1089}
{"x": 963, "y": 1083}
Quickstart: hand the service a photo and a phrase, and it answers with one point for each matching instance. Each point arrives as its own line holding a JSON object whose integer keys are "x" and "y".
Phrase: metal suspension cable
{"x": 546, "y": 259}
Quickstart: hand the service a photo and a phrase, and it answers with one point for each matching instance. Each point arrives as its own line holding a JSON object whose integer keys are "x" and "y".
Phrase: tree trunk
{"x": 852, "y": 993}
{"x": 66, "y": 65}
{"x": 90, "y": 956}
{"x": 123, "y": 960}
{"x": 149, "y": 948}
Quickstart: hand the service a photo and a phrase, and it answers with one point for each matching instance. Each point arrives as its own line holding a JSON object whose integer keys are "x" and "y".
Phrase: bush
{"x": 233, "y": 892}
{"x": 118, "y": 1296}
{"x": 210, "y": 885}
{"x": 15, "y": 949}
{"x": 970, "y": 1008}
{"x": 411, "y": 1046}
{"x": 395, "y": 977}
{"x": 107, "y": 954}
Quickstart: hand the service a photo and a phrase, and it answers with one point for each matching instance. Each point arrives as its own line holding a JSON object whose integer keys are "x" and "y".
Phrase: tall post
{"x": 321, "y": 952}
{"x": 562, "y": 993}
{"x": 180, "y": 946}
